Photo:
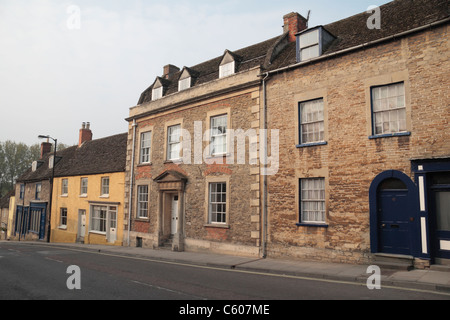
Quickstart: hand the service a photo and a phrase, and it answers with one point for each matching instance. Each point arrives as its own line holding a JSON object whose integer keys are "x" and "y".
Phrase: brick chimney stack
{"x": 46, "y": 147}
{"x": 85, "y": 133}
{"x": 169, "y": 70}
{"x": 294, "y": 23}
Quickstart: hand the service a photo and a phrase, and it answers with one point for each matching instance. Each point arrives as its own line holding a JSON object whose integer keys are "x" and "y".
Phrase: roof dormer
{"x": 187, "y": 79}
{"x": 312, "y": 43}
{"x": 228, "y": 64}
{"x": 158, "y": 88}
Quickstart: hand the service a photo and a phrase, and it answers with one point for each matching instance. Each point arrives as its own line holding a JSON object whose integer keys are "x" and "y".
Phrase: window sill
{"x": 318, "y": 225}
{"x": 312, "y": 144}
{"x": 143, "y": 164}
{"x": 388, "y": 135}
{"x": 218, "y": 155}
{"x": 103, "y": 233}
{"x": 62, "y": 227}
{"x": 217, "y": 225}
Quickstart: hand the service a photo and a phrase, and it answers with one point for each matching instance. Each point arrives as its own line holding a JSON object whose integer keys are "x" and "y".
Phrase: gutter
{"x": 358, "y": 47}
{"x": 264, "y": 193}
{"x": 130, "y": 206}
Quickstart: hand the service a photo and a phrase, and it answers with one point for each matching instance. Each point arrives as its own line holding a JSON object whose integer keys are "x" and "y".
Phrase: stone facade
{"x": 351, "y": 157}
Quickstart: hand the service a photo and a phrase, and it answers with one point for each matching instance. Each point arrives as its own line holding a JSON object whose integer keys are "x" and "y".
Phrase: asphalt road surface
{"x": 41, "y": 272}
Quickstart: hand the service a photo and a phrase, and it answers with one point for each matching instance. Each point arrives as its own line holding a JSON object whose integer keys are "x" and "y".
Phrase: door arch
{"x": 393, "y": 214}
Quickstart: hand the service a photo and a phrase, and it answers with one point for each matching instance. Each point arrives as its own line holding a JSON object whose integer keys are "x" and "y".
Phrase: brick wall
{"x": 241, "y": 228}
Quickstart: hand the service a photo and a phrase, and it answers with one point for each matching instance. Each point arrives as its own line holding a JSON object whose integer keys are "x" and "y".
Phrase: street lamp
{"x": 51, "y": 186}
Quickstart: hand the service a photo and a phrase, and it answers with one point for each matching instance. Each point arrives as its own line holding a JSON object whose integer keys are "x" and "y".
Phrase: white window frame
{"x": 184, "y": 84}
{"x": 64, "y": 187}
{"x": 142, "y": 211}
{"x": 217, "y": 148}
{"x": 174, "y": 142}
{"x": 388, "y": 109}
{"x": 312, "y": 121}
{"x": 227, "y": 69}
{"x": 146, "y": 147}
{"x": 105, "y": 187}
{"x": 309, "y": 45}
{"x": 312, "y": 201}
{"x": 63, "y": 217}
{"x": 157, "y": 93}
{"x": 217, "y": 206}
{"x": 103, "y": 217}
{"x": 84, "y": 186}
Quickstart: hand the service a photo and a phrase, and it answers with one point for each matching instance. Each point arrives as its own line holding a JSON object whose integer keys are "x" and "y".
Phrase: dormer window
{"x": 227, "y": 69}
{"x": 309, "y": 45}
{"x": 312, "y": 43}
{"x": 227, "y": 66}
{"x": 157, "y": 93}
{"x": 184, "y": 84}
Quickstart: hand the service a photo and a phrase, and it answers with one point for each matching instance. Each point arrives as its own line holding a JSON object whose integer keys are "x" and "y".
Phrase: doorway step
{"x": 393, "y": 261}
{"x": 166, "y": 244}
{"x": 441, "y": 265}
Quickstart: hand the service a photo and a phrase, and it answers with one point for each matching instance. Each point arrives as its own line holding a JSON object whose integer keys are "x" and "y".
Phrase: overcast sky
{"x": 57, "y": 71}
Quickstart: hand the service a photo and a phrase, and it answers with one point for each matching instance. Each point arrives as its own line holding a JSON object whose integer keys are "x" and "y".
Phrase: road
{"x": 40, "y": 272}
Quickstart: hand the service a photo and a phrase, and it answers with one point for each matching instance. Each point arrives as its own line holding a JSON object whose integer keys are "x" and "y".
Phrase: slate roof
{"x": 106, "y": 155}
{"x": 396, "y": 17}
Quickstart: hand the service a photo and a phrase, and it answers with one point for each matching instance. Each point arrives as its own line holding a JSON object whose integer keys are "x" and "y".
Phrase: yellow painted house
{"x": 89, "y": 190}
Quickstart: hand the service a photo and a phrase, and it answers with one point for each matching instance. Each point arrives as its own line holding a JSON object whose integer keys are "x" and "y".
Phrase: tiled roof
{"x": 207, "y": 71}
{"x": 396, "y": 17}
{"x": 99, "y": 156}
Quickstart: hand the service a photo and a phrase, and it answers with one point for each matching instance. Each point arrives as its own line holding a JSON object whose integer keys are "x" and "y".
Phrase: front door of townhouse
{"x": 174, "y": 214}
{"x": 394, "y": 220}
{"x": 81, "y": 225}
{"x": 440, "y": 214}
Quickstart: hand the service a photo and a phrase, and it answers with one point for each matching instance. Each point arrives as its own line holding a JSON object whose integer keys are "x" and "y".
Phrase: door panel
{"x": 394, "y": 222}
{"x": 174, "y": 215}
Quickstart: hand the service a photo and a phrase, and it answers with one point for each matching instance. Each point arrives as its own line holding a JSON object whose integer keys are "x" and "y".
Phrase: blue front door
{"x": 394, "y": 227}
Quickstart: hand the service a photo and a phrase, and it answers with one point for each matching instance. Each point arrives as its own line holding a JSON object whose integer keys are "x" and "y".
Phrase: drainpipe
{"x": 264, "y": 193}
{"x": 131, "y": 180}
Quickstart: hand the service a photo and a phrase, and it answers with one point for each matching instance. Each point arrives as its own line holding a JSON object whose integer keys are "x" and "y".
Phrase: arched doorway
{"x": 393, "y": 214}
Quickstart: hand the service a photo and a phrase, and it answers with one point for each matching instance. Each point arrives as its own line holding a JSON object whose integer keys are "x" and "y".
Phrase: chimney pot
{"x": 294, "y": 23}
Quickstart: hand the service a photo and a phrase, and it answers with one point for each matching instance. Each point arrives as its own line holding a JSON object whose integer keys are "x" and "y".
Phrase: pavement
{"x": 436, "y": 280}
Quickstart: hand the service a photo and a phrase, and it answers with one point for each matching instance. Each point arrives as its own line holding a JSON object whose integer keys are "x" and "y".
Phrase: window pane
{"x": 313, "y": 200}
{"x": 309, "y": 38}
{"x": 309, "y": 53}
{"x": 312, "y": 121}
{"x": 443, "y": 210}
{"x": 388, "y": 104}
{"x": 217, "y": 202}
